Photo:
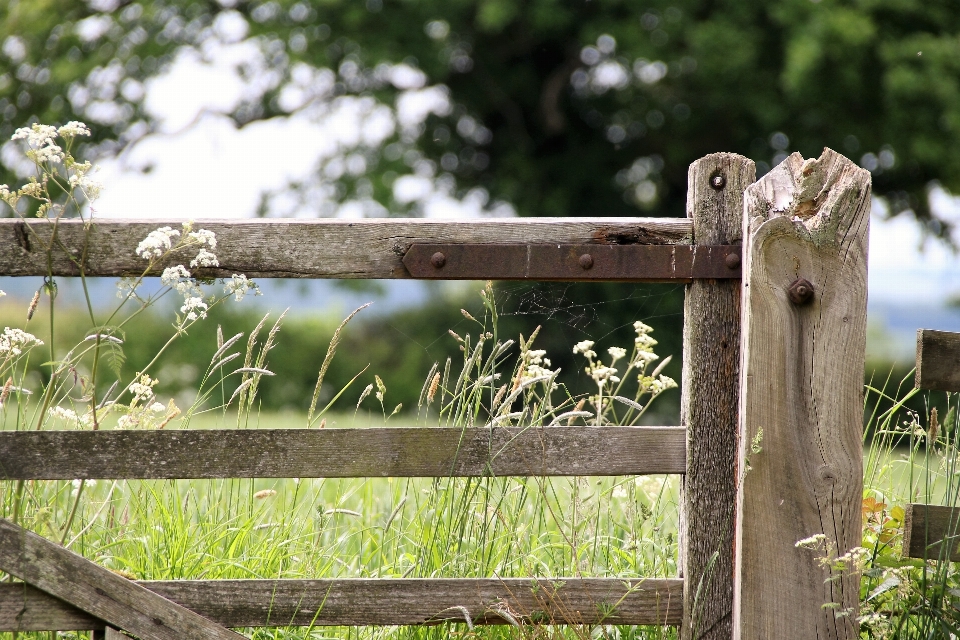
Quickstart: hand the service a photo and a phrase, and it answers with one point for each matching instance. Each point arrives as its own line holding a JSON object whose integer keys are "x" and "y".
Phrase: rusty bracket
{"x": 610, "y": 262}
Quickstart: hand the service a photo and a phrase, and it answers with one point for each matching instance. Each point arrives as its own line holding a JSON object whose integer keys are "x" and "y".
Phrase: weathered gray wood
{"x": 938, "y": 360}
{"x": 385, "y": 601}
{"x": 709, "y": 400}
{"x": 801, "y": 384}
{"x": 294, "y": 248}
{"x": 926, "y": 526}
{"x": 91, "y": 588}
{"x": 341, "y": 453}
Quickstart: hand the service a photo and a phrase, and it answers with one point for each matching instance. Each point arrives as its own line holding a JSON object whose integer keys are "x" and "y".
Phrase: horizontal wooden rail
{"x": 926, "y": 526}
{"x": 294, "y": 248}
{"x": 380, "y": 601}
{"x": 342, "y": 453}
{"x": 938, "y": 360}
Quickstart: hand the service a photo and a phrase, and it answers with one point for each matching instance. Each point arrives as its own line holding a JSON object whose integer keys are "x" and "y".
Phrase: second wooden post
{"x": 801, "y": 473}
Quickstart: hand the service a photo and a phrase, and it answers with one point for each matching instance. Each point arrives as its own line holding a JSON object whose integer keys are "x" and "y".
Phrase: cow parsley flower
{"x": 616, "y": 353}
{"x": 202, "y": 237}
{"x": 33, "y": 189}
{"x": 157, "y": 243}
{"x": 238, "y": 286}
{"x": 13, "y": 342}
{"x": 91, "y": 188}
{"x": 73, "y": 129}
{"x": 194, "y": 307}
{"x": 205, "y": 259}
{"x": 36, "y": 135}
{"x": 143, "y": 388}
{"x": 584, "y": 347}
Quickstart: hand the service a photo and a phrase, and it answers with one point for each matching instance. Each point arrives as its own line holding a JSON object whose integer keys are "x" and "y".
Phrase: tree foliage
{"x": 559, "y": 108}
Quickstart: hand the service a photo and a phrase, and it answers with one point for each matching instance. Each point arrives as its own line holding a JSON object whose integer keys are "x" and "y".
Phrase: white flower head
{"x": 73, "y": 129}
{"x": 13, "y": 342}
{"x": 238, "y": 286}
{"x": 143, "y": 388}
{"x": 172, "y": 275}
{"x": 641, "y": 328}
{"x": 194, "y": 307}
{"x": 202, "y": 237}
{"x": 157, "y": 407}
{"x": 91, "y": 188}
{"x": 616, "y": 353}
{"x": 644, "y": 358}
{"x": 33, "y": 189}
{"x": 157, "y": 243}
{"x": 205, "y": 259}
{"x": 37, "y": 135}
{"x": 584, "y": 347}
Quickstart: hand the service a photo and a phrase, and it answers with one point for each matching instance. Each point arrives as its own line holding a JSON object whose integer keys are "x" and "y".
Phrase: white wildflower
{"x": 202, "y": 236}
{"x": 37, "y": 135}
{"x": 127, "y": 287}
{"x": 78, "y": 483}
{"x": 143, "y": 388}
{"x": 205, "y": 259}
{"x": 14, "y": 341}
{"x": 10, "y": 197}
{"x": 644, "y": 340}
{"x": 91, "y": 188}
{"x": 616, "y": 353}
{"x": 125, "y": 422}
{"x": 584, "y": 347}
{"x": 238, "y": 286}
{"x": 32, "y": 189}
{"x": 157, "y": 243}
{"x": 50, "y": 153}
{"x": 812, "y": 542}
{"x": 171, "y": 275}
{"x": 601, "y": 375}
{"x": 619, "y": 492}
{"x": 73, "y": 129}
{"x": 158, "y": 407}
{"x": 644, "y": 358}
{"x": 641, "y": 328}
{"x": 194, "y": 307}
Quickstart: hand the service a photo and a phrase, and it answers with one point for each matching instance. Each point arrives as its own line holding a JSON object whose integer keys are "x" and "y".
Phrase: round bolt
{"x": 586, "y": 261}
{"x": 800, "y": 291}
{"x": 717, "y": 181}
{"x": 732, "y": 260}
{"x": 438, "y": 260}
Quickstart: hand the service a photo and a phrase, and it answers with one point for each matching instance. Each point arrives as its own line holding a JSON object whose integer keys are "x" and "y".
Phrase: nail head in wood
{"x": 800, "y": 292}
{"x": 438, "y": 260}
{"x": 586, "y": 261}
{"x": 732, "y": 260}
{"x": 718, "y": 181}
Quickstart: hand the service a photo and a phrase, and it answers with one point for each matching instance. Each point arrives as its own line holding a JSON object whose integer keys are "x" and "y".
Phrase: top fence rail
{"x": 539, "y": 249}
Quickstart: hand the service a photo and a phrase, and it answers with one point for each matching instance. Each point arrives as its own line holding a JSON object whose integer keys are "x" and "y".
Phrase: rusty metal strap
{"x": 625, "y": 263}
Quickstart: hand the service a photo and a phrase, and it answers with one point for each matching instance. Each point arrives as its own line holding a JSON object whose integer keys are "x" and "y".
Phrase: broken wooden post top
{"x": 804, "y": 335}
{"x": 819, "y": 195}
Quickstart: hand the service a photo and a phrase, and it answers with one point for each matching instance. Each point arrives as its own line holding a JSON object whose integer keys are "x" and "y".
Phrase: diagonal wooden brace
{"x": 119, "y": 602}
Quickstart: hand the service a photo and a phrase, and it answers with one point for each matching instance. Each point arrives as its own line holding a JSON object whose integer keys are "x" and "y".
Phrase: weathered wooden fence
{"x": 769, "y": 443}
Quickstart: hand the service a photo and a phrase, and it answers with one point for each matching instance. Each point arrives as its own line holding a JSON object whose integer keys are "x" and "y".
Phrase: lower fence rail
{"x": 378, "y": 601}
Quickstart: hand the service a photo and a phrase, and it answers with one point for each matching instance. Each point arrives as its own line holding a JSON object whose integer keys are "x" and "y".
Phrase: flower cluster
{"x": 238, "y": 285}
{"x": 71, "y": 417}
{"x": 13, "y": 342}
{"x": 158, "y": 242}
{"x": 535, "y": 365}
{"x": 143, "y": 388}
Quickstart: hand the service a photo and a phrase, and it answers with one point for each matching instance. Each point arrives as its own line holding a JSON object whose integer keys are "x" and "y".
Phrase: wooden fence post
{"x": 804, "y": 326}
{"x": 710, "y": 394}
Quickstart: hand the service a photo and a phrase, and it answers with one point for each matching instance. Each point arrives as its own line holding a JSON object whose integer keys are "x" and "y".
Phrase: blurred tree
{"x": 558, "y": 108}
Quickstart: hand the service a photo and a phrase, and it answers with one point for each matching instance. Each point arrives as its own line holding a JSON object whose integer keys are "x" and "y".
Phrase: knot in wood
{"x": 800, "y": 292}
{"x": 827, "y": 474}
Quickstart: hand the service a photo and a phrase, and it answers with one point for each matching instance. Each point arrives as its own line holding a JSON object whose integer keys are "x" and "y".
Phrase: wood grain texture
{"x": 341, "y": 453}
{"x": 383, "y": 601}
{"x": 938, "y": 360}
{"x": 709, "y": 401}
{"x": 926, "y": 526}
{"x": 294, "y": 248}
{"x": 801, "y": 384}
{"x": 102, "y": 593}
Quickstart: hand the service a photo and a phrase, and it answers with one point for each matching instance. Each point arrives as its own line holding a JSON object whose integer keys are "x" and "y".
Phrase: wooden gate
{"x": 769, "y": 442}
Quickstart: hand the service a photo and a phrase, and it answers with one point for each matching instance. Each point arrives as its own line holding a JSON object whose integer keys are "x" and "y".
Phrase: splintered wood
{"x": 801, "y": 412}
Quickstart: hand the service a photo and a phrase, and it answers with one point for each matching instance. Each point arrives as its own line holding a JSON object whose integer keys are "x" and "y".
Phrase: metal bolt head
{"x": 800, "y": 291}
{"x": 438, "y": 260}
{"x": 732, "y": 260}
{"x": 586, "y": 261}
{"x": 718, "y": 181}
